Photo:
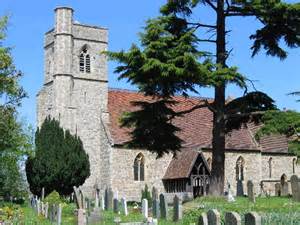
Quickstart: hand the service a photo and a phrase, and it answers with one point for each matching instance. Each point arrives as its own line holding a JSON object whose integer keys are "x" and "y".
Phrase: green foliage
{"x": 53, "y": 198}
{"x": 146, "y": 194}
{"x": 14, "y": 139}
{"x": 60, "y": 161}
{"x": 11, "y": 92}
{"x": 285, "y": 123}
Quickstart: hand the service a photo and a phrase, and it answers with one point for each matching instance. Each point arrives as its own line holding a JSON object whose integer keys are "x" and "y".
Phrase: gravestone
{"x": 110, "y": 196}
{"x": 163, "y": 206}
{"x": 106, "y": 199}
{"x": 124, "y": 206}
{"x": 252, "y": 218}
{"x": 38, "y": 207}
{"x": 233, "y": 218}
{"x": 46, "y": 209}
{"x": 284, "y": 189}
{"x": 250, "y": 191}
{"x": 295, "y": 187}
{"x": 213, "y": 217}
{"x": 277, "y": 189}
{"x": 81, "y": 217}
{"x": 43, "y": 194}
{"x": 145, "y": 208}
{"x": 155, "y": 203}
{"x": 102, "y": 205}
{"x": 116, "y": 205}
{"x": 177, "y": 214}
{"x": 59, "y": 212}
{"x": 78, "y": 198}
{"x": 155, "y": 208}
{"x": 203, "y": 219}
{"x": 239, "y": 188}
{"x": 42, "y": 209}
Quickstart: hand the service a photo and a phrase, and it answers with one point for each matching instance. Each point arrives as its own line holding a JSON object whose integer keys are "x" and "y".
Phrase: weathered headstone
{"x": 110, "y": 195}
{"x": 163, "y": 206}
{"x": 43, "y": 194}
{"x": 124, "y": 206}
{"x": 203, "y": 219}
{"x": 278, "y": 189}
{"x": 59, "y": 212}
{"x": 250, "y": 191}
{"x": 284, "y": 189}
{"x": 42, "y": 209}
{"x": 46, "y": 209}
{"x": 233, "y": 218}
{"x": 38, "y": 207}
{"x": 177, "y": 214}
{"x": 252, "y": 218}
{"x": 81, "y": 217}
{"x": 155, "y": 208}
{"x": 102, "y": 206}
{"x": 145, "y": 208}
{"x": 116, "y": 205}
{"x": 213, "y": 217}
{"x": 295, "y": 187}
{"x": 239, "y": 188}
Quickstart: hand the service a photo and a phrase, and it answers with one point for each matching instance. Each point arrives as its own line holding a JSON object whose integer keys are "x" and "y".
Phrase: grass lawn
{"x": 275, "y": 211}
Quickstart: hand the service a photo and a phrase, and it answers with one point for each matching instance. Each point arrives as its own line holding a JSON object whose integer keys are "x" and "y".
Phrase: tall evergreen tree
{"x": 60, "y": 161}
{"x": 169, "y": 63}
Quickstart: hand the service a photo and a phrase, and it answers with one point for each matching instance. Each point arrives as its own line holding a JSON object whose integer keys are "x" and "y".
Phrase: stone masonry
{"x": 79, "y": 100}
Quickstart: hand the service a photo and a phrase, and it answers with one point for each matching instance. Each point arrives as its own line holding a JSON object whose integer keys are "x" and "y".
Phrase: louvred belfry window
{"x": 84, "y": 61}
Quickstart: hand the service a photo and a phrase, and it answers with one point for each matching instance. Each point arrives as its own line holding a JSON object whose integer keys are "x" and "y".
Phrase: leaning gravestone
{"x": 163, "y": 206}
{"x": 177, "y": 214}
{"x": 250, "y": 190}
{"x": 252, "y": 218}
{"x": 295, "y": 188}
{"x": 145, "y": 208}
{"x": 213, "y": 217}
{"x": 233, "y": 218}
{"x": 124, "y": 206}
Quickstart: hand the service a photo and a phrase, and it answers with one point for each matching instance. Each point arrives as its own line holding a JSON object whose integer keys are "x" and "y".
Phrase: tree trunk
{"x": 218, "y": 143}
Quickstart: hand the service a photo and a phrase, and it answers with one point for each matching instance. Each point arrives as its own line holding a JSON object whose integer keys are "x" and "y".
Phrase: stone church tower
{"x": 75, "y": 86}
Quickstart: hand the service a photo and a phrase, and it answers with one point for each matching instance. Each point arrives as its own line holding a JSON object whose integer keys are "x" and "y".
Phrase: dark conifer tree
{"x": 60, "y": 161}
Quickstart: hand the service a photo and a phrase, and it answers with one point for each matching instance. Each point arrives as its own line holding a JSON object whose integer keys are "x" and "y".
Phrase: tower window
{"x": 84, "y": 61}
{"x": 239, "y": 169}
{"x": 138, "y": 168}
{"x": 270, "y": 167}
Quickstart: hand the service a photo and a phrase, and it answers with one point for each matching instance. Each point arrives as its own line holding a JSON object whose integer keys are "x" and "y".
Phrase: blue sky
{"x": 30, "y": 19}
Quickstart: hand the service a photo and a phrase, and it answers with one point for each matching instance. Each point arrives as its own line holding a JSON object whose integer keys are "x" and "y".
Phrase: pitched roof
{"x": 181, "y": 165}
{"x": 196, "y": 126}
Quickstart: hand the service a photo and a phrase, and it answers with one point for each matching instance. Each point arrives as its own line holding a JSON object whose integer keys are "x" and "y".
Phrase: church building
{"x": 75, "y": 92}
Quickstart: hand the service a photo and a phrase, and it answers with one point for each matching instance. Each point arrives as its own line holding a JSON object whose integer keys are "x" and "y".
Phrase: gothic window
{"x": 270, "y": 167}
{"x": 139, "y": 168}
{"x": 239, "y": 169}
{"x": 294, "y": 165}
{"x": 84, "y": 61}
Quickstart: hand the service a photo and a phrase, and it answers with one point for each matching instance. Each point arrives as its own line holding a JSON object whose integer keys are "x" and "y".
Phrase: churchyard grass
{"x": 274, "y": 210}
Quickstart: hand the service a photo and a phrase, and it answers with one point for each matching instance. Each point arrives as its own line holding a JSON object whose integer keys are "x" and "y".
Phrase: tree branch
{"x": 205, "y": 104}
{"x": 207, "y": 40}
{"x": 203, "y": 25}
{"x": 211, "y": 5}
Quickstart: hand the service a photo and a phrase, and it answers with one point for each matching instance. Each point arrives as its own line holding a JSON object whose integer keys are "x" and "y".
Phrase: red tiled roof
{"x": 196, "y": 127}
{"x": 181, "y": 166}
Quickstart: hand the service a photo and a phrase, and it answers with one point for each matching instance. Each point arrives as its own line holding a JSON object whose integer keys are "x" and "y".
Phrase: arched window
{"x": 270, "y": 167}
{"x": 239, "y": 168}
{"x": 84, "y": 61}
{"x": 294, "y": 165}
{"x": 139, "y": 167}
{"x": 209, "y": 162}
